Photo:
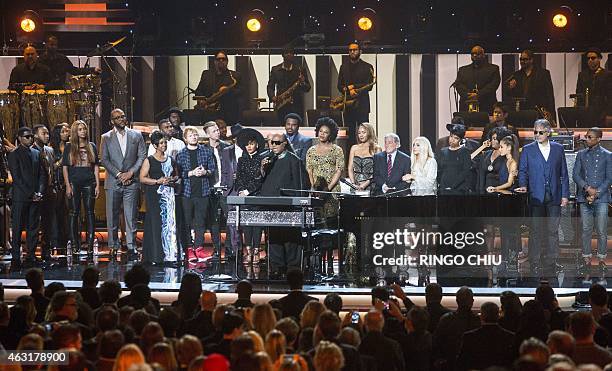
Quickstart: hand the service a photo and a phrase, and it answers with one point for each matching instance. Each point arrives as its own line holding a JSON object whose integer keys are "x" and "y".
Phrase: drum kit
{"x": 40, "y": 107}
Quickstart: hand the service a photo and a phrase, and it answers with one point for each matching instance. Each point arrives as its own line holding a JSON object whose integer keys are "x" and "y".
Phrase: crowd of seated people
{"x": 101, "y": 330}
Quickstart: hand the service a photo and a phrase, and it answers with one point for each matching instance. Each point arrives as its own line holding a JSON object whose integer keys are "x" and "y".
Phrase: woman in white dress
{"x": 423, "y": 168}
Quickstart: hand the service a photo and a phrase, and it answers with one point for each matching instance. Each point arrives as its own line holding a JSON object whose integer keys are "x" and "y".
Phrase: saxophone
{"x": 545, "y": 114}
{"x": 211, "y": 103}
{"x": 286, "y": 97}
{"x": 343, "y": 102}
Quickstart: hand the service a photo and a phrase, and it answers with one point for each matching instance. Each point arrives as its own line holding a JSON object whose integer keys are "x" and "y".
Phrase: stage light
{"x": 28, "y": 25}
{"x": 559, "y": 20}
{"x": 253, "y": 25}
{"x": 364, "y": 23}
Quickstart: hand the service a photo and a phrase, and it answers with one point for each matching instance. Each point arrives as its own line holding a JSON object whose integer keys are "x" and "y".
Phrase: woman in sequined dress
{"x": 361, "y": 157}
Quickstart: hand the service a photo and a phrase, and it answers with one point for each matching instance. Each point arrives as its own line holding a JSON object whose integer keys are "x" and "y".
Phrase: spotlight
{"x": 559, "y": 20}
{"x": 562, "y": 17}
{"x": 30, "y": 27}
{"x": 366, "y": 25}
{"x": 256, "y": 30}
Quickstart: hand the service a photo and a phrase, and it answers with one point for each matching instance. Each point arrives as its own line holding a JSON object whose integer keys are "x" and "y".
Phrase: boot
{"x": 255, "y": 256}
{"x": 248, "y": 257}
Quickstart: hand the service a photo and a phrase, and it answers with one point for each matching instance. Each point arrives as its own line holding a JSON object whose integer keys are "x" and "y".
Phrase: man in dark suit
{"x": 232, "y": 328}
{"x": 291, "y": 305}
{"x": 36, "y": 283}
{"x": 543, "y": 173}
{"x": 299, "y": 142}
{"x": 598, "y": 81}
{"x": 532, "y": 83}
{"x": 477, "y": 81}
{"x": 489, "y": 345}
{"x": 328, "y": 329}
{"x": 386, "y": 351}
{"x": 285, "y": 76}
{"x": 229, "y": 165}
{"x": 29, "y": 184}
{"x": 48, "y": 218}
{"x": 201, "y": 324}
{"x": 390, "y": 167}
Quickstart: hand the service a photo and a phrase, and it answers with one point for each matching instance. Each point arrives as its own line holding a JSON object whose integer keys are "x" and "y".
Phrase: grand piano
{"x": 361, "y": 216}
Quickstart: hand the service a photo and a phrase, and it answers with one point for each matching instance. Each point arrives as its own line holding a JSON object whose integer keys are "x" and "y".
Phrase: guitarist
{"x": 282, "y": 77}
{"x": 353, "y": 75}
{"x": 220, "y": 79}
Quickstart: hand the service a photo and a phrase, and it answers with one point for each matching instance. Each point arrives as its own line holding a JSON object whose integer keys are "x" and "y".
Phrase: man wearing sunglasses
{"x": 593, "y": 177}
{"x": 532, "y": 83}
{"x": 598, "y": 81}
{"x": 29, "y": 183}
{"x": 478, "y": 80}
{"x": 543, "y": 173}
{"x": 220, "y": 79}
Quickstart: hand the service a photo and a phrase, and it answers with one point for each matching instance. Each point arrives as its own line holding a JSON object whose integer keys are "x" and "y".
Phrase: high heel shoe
{"x": 248, "y": 257}
{"x": 255, "y": 256}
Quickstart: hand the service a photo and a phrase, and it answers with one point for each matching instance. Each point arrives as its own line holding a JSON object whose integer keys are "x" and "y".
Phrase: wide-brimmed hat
{"x": 234, "y": 130}
{"x": 456, "y": 129}
{"x": 246, "y": 135}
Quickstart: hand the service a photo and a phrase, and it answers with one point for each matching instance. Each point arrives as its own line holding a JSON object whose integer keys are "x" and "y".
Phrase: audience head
{"x": 328, "y": 357}
{"x": 138, "y": 320}
{"x": 107, "y": 319}
{"x": 305, "y": 342}
{"x": 63, "y": 304}
{"x": 489, "y": 312}
{"x": 464, "y": 298}
{"x": 275, "y": 345}
{"x": 263, "y": 362}
{"x": 208, "y": 301}
{"x": 536, "y": 349}
{"x": 218, "y": 314}
{"x": 124, "y": 315}
{"x": 500, "y": 113}
{"x": 31, "y": 342}
{"x": 258, "y": 343}
{"x": 232, "y": 325}
{"x": 215, "y": 362}
{"x": 290, "y": 329}
{"x": 598, "y": 296}
{"x": 52, "y": 288}
{"x": 295, "y": 279}
{"x": 311, "y": 313}
{"x": 510, "y": 304}
{"x": 392, "y": 142}
{"x": 328, "y": 326}
{"x": 170, "y": 321}
{"x": 326, "y": 129}
{"x": 561, "y": 342}
{"x": 433, "y": 293}
{"x": 109, "y": 291}
{"x": 582, "y": 326}
{"x": 138, "y": 274}
{"x": 244, "y": 289}
{"x": 163, "y": 354}
{"x": 379, "y": 293}
{"x": 333, "y": 302}
{"x": 67, "y": 336}
{"x": 128, "y": 355}
{"x": 418, "y": 320}
{"x": 533, "y": 314}
{"x": 241, "y": 345}
{"x": 374, "y": 321}
{"x": 141, "y": 295}
{"x": 35, "y": 279}
{"x": 188, "y": 348}
{"x": 110, "y": 343}
{"x": 350, "y": 336}
{"x": 26, "y": 302}
{"x": 151, "y": 334}
{"x": 263, "y": 319}
{"x": 90, "y": 277}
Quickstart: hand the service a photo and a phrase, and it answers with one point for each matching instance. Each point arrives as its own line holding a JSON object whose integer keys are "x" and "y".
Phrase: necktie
{"x": 388, "y": 166}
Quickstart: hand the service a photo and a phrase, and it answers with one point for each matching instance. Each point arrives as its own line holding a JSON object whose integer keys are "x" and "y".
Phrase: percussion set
{"x": 40, "y": 107}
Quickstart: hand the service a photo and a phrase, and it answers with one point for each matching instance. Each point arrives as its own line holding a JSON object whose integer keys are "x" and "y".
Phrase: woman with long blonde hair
{"x": 82, "y": 179}
{"x": 127, "y": 356}
{"x": 361, "y": 160}
{"x": 423, "y": 168}
{"x": 276, "y": 345}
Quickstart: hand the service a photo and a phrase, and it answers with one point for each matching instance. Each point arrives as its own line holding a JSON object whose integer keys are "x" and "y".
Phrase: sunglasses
{"x": 276, "y": 142}
{"x": 591, "y": 136}
{"x": 28, "y": 136}
{"x": 119, "y": 117}
{"x": 539, "y": 132}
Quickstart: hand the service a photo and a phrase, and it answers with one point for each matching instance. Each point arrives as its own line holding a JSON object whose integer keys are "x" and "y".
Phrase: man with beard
{"x": 174, "y": 145}
{"x": 284, "y": 76}
{"x": 598, "y": 81}
{"x": 354, "y": 75}
{"x": 48, "y": 220}
{"x": 477, "y": 81}
{"x": 30, "y": 74}
{"x": 221, "y": 80}
{"x": 175, "y": 116}
{"x": 532, "y": 83}
{"x": 60, "y": 65}
{"x": 122, "y": 154}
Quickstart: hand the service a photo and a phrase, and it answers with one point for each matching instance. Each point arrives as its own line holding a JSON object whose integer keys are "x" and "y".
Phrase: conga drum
{"x": 9, "y": 113}
{"x": 33, "y": 107}
{"x": 60, "y": 107}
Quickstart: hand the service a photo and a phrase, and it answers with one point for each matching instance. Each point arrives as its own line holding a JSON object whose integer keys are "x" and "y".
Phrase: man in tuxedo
{"x": 48, "y": 218}
{"x": 543, "y": 173}
{"x": 292, "y": 304}
{"x": 299, "y": 142}
{"x": 390, "y": 167}
{"x": 477, "y": 81}
{"x": 229, "y": 166}
{"x": 29, "y": 184}
{"x": 489, "y": 345}
{"x": 123, "y": 151}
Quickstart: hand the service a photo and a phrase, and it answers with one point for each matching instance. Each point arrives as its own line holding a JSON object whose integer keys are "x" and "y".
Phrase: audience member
{"x": 244, "y": 289}
{"x": 311, "y": 313}
{"x": 333, "y": 302}
{"x": 561, "y": 342}
{"x": 536, "y": 349}
{"x": 386, "y": 351}
{"x": 417, "y": 343}
{"x": 232, "y": 328}
{"x": 328, "y": 329}
{"x": 88, "y": 291}
{"x": 201, "y": 325}
{"x": 258, "y": 342}
{"x": 555, "y": 317}
{"x": 275, "y": 345}
{"x": 511, "y": 308}
{"x": 189, "y": 295}
{"x": 328, "y": 357}
{"x": 108, "y": 347}
{"x": 127, "y": 356}
{"x": 151, "y": 334}
{"x": 292, "y": 304}
{"x": 582, "y": 327}
{"x": 188, "y": 348}
{"x": 169, "y": 320}
{"x": 163, "y": 354}
{"x": 241, "y": 345}
{"x": 263, "y": 319}
{"x": 35, "y": 281}
{"x": 290, "y": 329}
{"x": 52, "y": 288}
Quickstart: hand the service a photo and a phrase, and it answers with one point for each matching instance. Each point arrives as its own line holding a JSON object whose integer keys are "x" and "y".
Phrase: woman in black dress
{"x": 60, "y": 135}
{"x": 248, "y": 182}
{"x": 82, "y": 182}
{"x": 454, "y": 164}
{"x": 159, "y": 174}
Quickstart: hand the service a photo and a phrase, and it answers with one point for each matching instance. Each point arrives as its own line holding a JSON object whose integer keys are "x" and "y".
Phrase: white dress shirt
{"x": 174, "y": 146}
{"x": 122, "y": 140}
{"x": 545, "y": 149}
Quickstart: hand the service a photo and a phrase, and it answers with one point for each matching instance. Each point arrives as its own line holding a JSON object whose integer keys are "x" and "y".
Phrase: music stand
{"x": 573, "y": 117}
{"x": 312, "y": 115}
{"x": 472, "y": 119}
{"x": 524, "y": 118}
{"x": 260, "y": 118}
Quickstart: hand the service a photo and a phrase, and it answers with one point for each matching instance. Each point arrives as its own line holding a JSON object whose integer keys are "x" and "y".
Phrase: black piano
{"x": 281, "y": 211}
{"x": 447, "y": 212}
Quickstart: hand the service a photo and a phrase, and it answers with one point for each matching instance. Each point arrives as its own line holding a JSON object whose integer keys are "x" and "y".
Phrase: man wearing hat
{"x": 598, "y": 82}
{"x": 454, "y": 164}
{"x": 470, "y": 144}
{"x": 29, "y": 182}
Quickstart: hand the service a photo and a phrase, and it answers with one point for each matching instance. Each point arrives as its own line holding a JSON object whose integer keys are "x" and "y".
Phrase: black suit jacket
{"x": 28, "y": 173}
{"x": 229, "y": 165}
{"x": 230, "y": 103}
{"x": 540, "y": 91}
{"x": 401, "y": 167}
{"x": 486, "y": 78}
{"x": 386, "y": 351}
{"x": 291, "y": 305}
{"x": 200, "y": 325}
{"x": 489, "y": 345}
